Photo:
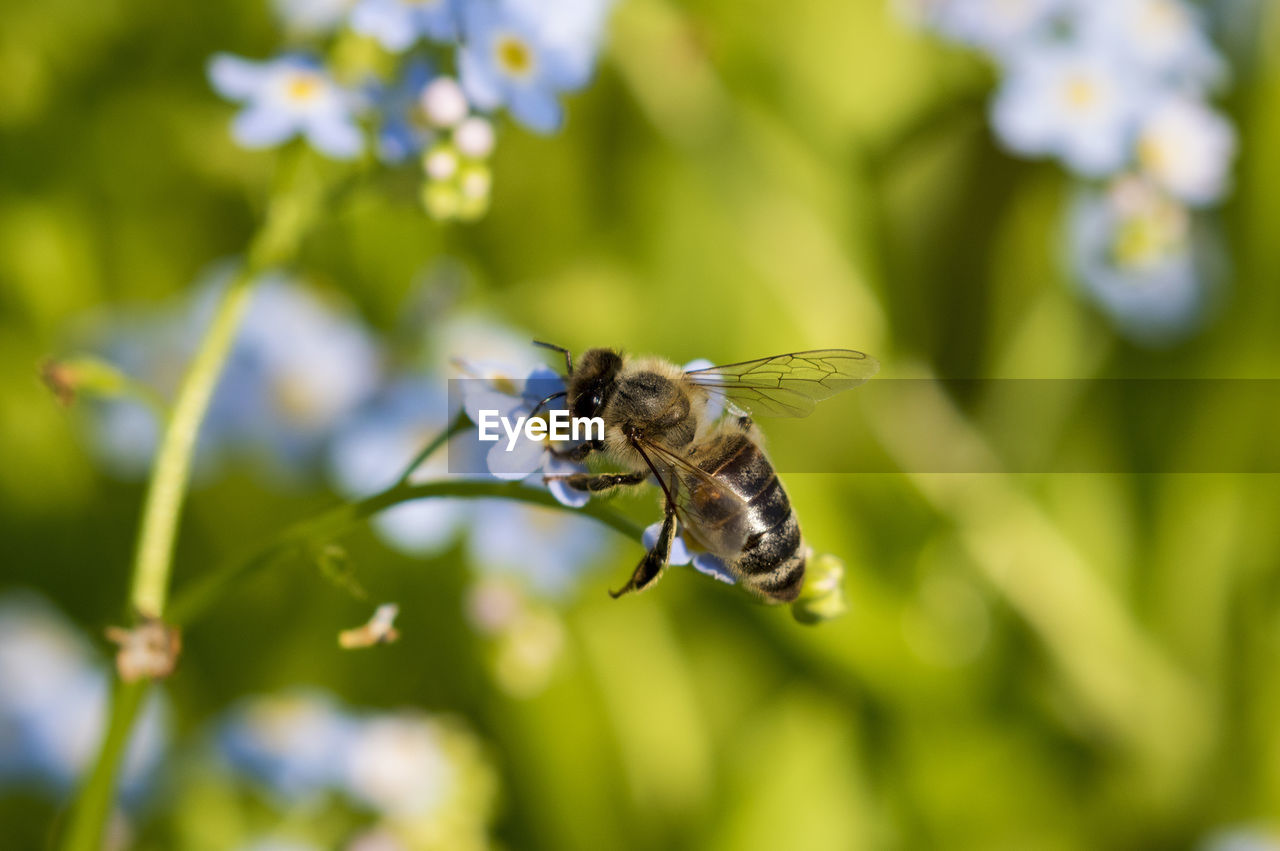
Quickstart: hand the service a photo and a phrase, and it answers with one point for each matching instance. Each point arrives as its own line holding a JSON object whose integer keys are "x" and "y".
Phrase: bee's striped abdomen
{"x": 770, "y": 559}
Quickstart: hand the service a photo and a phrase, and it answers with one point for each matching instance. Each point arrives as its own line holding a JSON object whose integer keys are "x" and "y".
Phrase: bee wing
{"x": 787, "y": 385}
{"x": 701, "y": 500}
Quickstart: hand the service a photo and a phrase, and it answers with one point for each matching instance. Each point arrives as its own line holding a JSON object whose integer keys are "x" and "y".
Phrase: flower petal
{"x": 536, "y": 109}
{"x": 336, "y": 135}
{"x": 518, "y": 462}
{"x": 235, "y": 78}
{"x": 390, "y": 23}
{"x": 713, "y": 567}
{"x": 483, "y": 88}
{"x": 679, "y": 550}
{"x": 263, "y": 126}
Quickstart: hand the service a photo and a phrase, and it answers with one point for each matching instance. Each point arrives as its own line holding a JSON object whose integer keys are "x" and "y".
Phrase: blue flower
{"x": 1138, "y": 255}
{"x": 1072, "y": 102}
{"x": 522, "y": 55}
{"x": 300, "y": 365}
{"x": 54, "y": 696}
{"x": 513, "y": 398}
{"x": 703, "y": 562}
{"x": 548, "y": 549}
{"x": 403, "y": 130}
{"x": 285, "y": 97}
{"x": 397, "y": 24}
{"x": 295, "y": 744}
{"x": 374, "y": 446}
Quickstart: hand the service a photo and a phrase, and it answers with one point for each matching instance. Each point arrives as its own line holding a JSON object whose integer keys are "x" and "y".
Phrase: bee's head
{"x": 591, "y": 382}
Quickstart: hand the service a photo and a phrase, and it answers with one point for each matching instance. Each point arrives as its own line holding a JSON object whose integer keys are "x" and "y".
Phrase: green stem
{"x": 296, "y": 201}
{"x": 163, "y": 506}
{"x": 459, "y": 423}
{"x": 95, "y": 802}
{"x": 307, "y": 534}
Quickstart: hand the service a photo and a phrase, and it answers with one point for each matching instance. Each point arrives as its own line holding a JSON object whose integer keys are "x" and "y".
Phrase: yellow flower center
{"x": 1080, "y": 93}
{"x": 1152, "y": 154}
{"x": 303, "y": 87}
{"x": 297, "y": 400}
{"x": 514, "y": 56}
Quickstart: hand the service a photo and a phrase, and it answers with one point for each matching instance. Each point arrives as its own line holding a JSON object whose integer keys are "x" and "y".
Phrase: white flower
{"x": 312, "y": 17}
{"x": 1162, "y": 38}
{"x": 1077, "y": 104}
{"x": 54, "y": 696}
{"x": 474, "y": 137}
{"x": 444, "y": 102}
{"x": 1134, "y": 252}
{"x": 998, "y": 26}
{"x": 1187, "y": 148}
{"x": 294, "y": 743}
{"x": 398, "y": 766}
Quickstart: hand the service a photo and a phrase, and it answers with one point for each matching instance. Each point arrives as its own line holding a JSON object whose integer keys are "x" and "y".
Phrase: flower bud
{"x": 148, "y": 651}
{"x": 440, "y": 162}
{"x": 475, "y": 181}
{"x": 442, "y": 200}
{"x": 69, "y": 377}
{"x": 474, "y": 137}
{"x": 444, "y": 102}
{"x": 823, "y": 596}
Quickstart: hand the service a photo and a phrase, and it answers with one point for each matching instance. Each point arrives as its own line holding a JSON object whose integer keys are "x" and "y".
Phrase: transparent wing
{"x": 786, "y": 385}
{"x": 701, "y": 501}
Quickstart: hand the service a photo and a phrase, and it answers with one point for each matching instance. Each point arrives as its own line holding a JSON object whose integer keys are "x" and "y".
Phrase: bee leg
{"x": 600, "y": 484}
{"x": 577, "y": 453}
{"x": 655, "y": 560}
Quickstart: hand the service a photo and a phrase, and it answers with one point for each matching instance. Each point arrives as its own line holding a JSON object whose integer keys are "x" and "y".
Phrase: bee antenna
{"x": 538, "y": 406}
{"x": 568, "y": 358}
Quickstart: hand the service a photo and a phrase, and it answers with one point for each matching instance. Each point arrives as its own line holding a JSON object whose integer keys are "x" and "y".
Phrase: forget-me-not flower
{"x": 1165, "y": 40}
{"x": 1068, "y": 101}
{"x": 1187, "y": 149}
{"x": 682, "y": 554}
{"x": 372, "y": 449}
{"x": 291, "y": 95}
{"x": 1135, "y": 252}
{"x": 294, "y": 744}
{"x": 398, "y": 24}
{"x": 312, "y": 17}
{"x": 512, "y": 399}
{"x": 545, "y": 548}
{"x": 397, "y": 765}
{"x": 402, "y": 124}
{"x": 54, "y": 697}
{"x": 997, "y": 26}
{"x": 514, "y": 55}
{"x": 300, "y": 365}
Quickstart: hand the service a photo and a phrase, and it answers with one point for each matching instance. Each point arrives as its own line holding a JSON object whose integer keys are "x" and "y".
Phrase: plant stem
{"x": 163, "y": 506}
{"x": 459, "y": 423}
{"x": 308, "y": 534}
{"x": 94, "y": 804}
{"x": 295, "y": 203}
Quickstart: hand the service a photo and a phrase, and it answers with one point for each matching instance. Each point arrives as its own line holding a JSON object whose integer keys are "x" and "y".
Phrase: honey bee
{"x": 693, "y": 433}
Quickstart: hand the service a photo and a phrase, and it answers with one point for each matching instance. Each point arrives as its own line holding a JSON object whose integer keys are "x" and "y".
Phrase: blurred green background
{"x": 1048, "y": 662}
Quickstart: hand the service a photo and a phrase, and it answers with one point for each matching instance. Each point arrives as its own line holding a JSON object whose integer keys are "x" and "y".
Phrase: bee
{"x": 693, "y": 433}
